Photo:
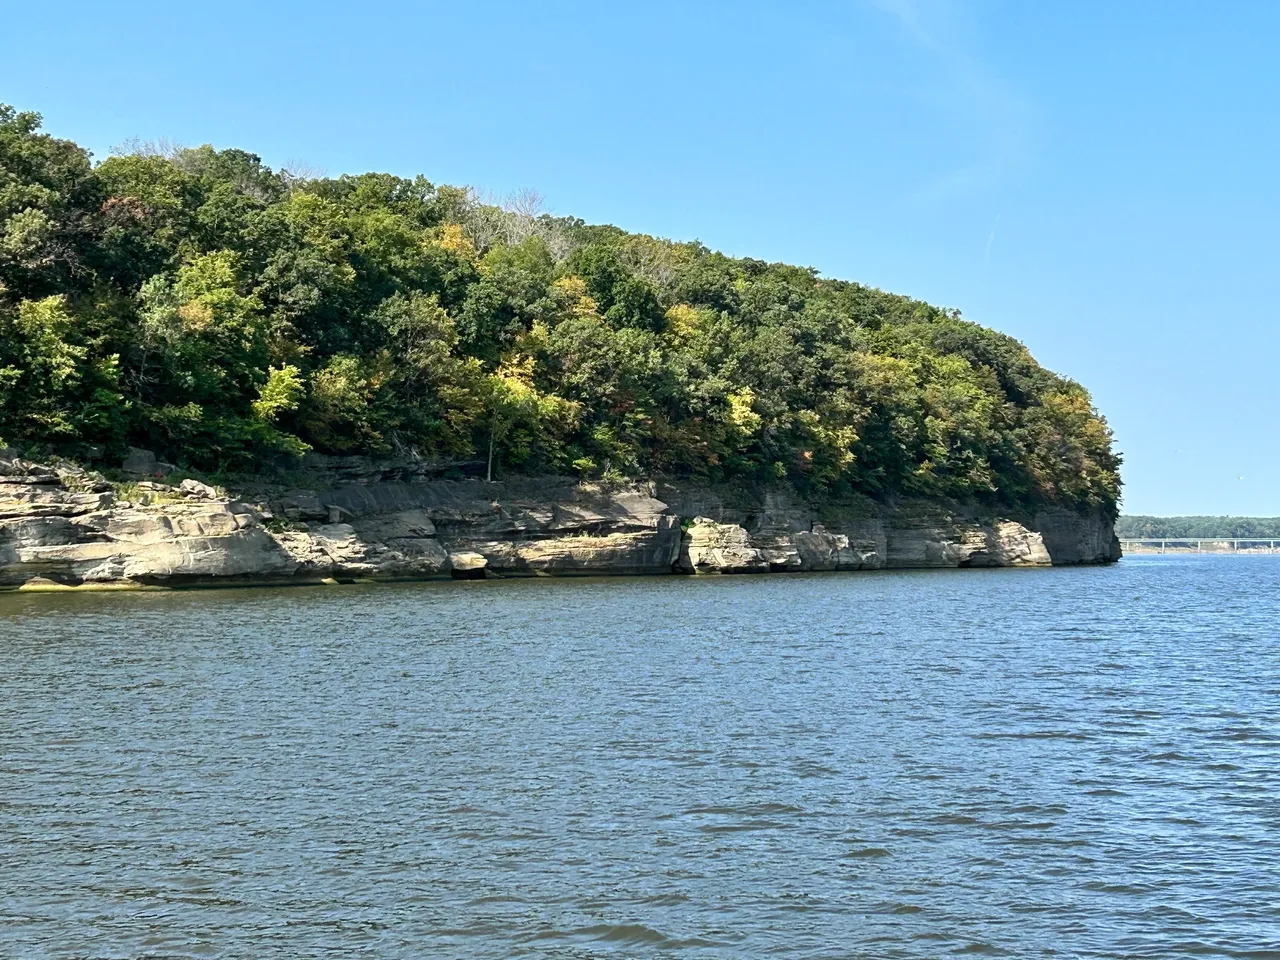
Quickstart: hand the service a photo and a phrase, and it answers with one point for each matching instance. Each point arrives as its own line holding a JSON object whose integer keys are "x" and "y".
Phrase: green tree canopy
{"x": 226, "y": 314}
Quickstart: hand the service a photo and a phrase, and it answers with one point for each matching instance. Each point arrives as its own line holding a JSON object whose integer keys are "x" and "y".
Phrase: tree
{"x": 514, "y": 406}
{"x": 200, "y": 303}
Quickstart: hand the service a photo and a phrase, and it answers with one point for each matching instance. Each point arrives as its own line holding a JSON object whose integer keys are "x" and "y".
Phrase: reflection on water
{"x": 1015, "y": 763}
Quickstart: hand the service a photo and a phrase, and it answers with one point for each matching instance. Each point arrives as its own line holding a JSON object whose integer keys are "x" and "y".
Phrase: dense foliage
{"x": 1144, "y": 528}
{"x": 227, "y": 315}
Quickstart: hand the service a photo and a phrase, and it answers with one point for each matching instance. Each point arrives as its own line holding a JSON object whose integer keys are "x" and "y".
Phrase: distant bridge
{"x": 1215, "y": 544}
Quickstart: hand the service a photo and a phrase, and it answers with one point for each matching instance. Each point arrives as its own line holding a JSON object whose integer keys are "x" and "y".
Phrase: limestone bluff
{"x": 236, "y": 320}
{"x": 61, "y": 526}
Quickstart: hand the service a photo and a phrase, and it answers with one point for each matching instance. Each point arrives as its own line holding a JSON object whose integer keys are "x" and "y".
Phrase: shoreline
{"x": 124, "y": 586}
{"x": 1135, "y": 551}
{"x": 64, "y": 528}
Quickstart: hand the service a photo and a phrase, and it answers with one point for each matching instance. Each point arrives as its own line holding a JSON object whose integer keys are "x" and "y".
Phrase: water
{"x": 1027, "y": 763}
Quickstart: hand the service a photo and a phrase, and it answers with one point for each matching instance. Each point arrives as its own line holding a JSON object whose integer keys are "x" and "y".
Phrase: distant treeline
{"x": 1174, "y": 527}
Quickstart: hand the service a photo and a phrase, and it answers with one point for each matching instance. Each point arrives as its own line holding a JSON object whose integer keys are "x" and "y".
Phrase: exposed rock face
{"x": 1068, "y": 534}
{"x": 140, "y": 461}
{"x": 468, "y": 565}
{"x": 710, "y": 547}
{"x": 194, "y": 488}
{"x": 820, "y": 549}
{"x": 144, "y": 463}
{"x": 1000, "y": 543}
{"x": 66, "y": 527}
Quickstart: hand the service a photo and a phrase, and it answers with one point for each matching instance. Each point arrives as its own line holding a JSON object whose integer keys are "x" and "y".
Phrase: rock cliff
{"x": 62, "y": 526}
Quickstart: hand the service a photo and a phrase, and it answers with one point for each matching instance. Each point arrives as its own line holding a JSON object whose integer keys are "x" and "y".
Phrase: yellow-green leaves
{"x": 281, "y": 393}
{"x": 571, "y": 296}
{"x": 40, "y": 389}
{"x": 45, "y": 326}
{"x": 204, "y": 298}
{"x": 520, "y": 417}
{"x": 27, "y": 238}
{"x": 684, "y": 322}
{"x": 744, "y": 419}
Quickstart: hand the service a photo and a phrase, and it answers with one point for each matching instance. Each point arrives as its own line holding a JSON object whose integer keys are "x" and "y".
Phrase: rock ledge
{"x": 63, "y": 527}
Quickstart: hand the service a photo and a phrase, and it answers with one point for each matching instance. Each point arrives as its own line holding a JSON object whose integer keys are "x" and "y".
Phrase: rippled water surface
{"x": 1027, "y": 763}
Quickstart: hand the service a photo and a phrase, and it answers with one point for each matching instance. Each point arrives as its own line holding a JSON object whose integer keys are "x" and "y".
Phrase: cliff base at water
{"x": 62, "y": 526}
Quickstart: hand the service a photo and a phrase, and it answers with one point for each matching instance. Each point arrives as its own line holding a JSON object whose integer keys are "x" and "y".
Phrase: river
{"x": 1025, "y": 763}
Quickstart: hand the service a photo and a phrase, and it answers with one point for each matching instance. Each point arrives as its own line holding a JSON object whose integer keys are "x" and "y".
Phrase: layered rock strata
{"x": 66, "y": 527}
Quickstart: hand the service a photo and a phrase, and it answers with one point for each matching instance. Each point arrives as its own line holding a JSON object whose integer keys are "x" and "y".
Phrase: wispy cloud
{"x": 1000, "y": 119}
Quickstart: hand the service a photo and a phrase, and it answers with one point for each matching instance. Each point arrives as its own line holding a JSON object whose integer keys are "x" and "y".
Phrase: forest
{"x": 232, "y": 317}
{"x": 1146, "y": 528}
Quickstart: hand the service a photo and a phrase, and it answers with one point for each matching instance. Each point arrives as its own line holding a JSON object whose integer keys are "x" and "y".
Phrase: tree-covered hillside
{"x": 226, "y": 315}
{"x": 1141, "y": 528}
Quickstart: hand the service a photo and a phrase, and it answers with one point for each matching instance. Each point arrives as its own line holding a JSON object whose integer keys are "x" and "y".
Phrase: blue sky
{"x": 1096, "y": 178}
